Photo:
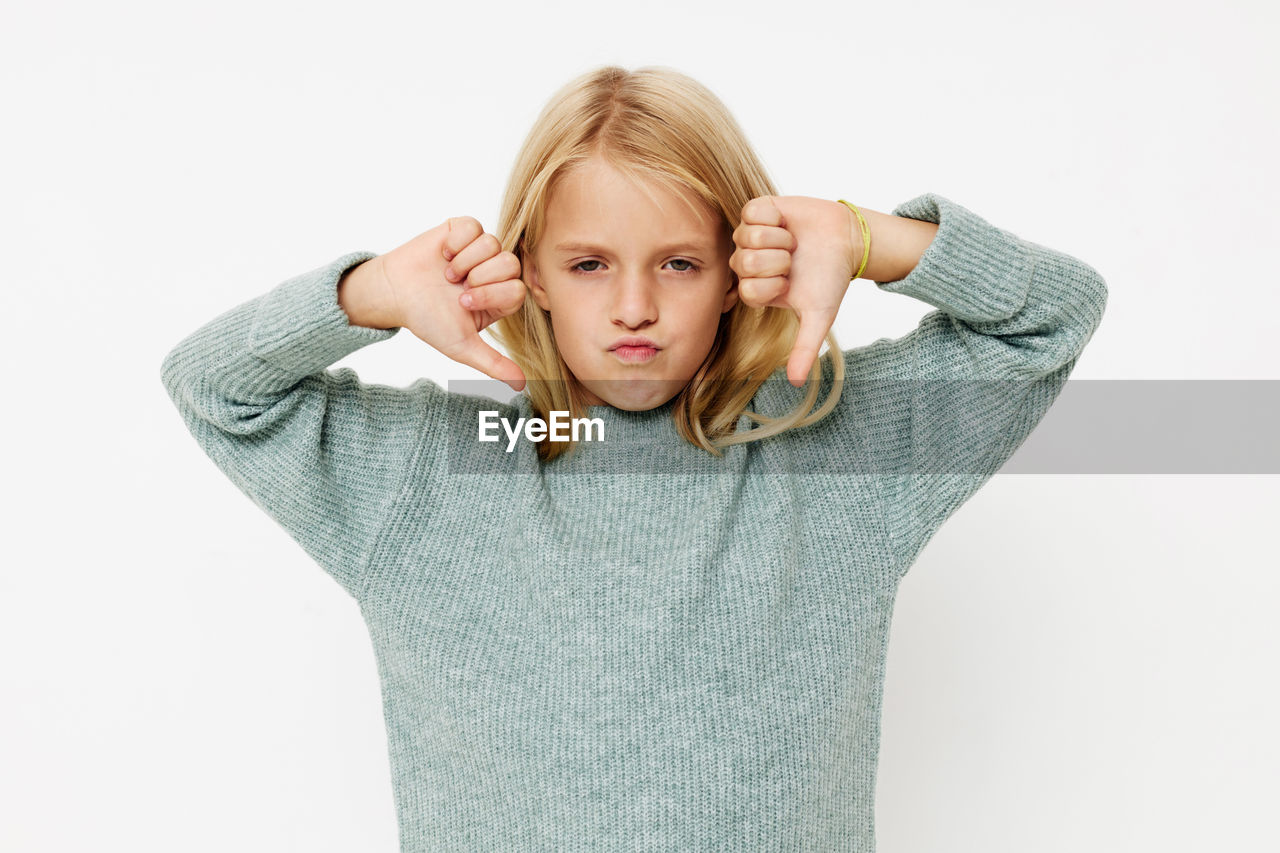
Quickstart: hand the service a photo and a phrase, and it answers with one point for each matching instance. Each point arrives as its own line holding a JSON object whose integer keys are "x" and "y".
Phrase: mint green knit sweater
{"x": 639, "y": 646}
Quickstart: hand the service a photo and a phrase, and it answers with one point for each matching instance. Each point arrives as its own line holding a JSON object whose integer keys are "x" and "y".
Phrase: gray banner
{"x": 1139, "y": 426}
{"x": 1146, "y": 426}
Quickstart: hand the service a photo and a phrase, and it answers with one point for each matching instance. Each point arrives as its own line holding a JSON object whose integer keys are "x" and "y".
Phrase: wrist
{"x": 365, "y": 296}
{"x": 897, "y": 244}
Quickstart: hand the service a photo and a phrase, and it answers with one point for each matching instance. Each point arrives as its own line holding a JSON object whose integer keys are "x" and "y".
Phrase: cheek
{"x": 709, "y": 309}
{"x": 700, "y": 331}
{"x": 572, "y": 323}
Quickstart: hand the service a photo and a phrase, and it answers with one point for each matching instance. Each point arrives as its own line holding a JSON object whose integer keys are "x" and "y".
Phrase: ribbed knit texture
{"x": 640, "y": 646}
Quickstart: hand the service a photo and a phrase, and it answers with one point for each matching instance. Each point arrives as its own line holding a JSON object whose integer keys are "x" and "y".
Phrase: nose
{"x": 635, "y": 302}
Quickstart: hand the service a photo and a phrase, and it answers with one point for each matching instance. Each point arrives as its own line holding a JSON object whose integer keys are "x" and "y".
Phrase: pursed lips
{"x": 635, "y": 349}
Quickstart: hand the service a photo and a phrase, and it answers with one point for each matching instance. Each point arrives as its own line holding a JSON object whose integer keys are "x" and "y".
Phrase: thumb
{"x": 813, "y": 329}
{"x": 474, "y": 352}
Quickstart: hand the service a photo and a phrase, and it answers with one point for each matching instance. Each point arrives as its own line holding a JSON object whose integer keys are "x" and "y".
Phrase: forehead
{"x": 595, "y": 198}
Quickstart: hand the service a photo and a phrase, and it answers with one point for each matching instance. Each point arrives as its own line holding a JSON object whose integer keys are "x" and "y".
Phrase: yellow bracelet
{"x": 866, "y": 237}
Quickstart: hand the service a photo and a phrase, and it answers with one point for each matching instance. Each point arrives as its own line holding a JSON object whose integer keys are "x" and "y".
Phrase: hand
{"x": 433, "y": 306}
{"x": 797, "y": 252}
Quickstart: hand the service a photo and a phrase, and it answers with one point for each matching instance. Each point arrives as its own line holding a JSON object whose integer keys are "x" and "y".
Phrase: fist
{"x": 451, "y": 282}
{"x": 797, "y": 252}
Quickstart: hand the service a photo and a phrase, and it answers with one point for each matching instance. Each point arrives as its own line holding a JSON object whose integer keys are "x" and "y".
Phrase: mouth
{"x": 634, "y": 349}
{"x": 635, "y": 354}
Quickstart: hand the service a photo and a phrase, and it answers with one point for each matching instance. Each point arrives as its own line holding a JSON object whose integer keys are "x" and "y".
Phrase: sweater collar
{"x": 643, "y": 442}
{"x": 633, "y": 426}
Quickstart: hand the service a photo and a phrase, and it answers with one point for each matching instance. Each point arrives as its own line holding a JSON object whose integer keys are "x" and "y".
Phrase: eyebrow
{"x": 599, "y": 250}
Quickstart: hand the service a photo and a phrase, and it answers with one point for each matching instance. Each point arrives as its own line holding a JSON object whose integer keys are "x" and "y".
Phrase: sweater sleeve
{"x": 321, "y": 452}
{"x": 954, "y": 399}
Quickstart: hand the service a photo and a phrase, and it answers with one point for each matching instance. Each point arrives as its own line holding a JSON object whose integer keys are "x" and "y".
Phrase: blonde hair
{"x": 653, "y": 124}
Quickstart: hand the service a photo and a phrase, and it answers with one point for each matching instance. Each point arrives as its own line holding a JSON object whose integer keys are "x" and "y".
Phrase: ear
{"x": 531, "y": 281}
{"x": 727, "y": 246}
{"x": 731, "y": 295}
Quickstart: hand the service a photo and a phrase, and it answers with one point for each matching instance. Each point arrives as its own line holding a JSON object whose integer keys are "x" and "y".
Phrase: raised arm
{"x": 945, "y": 406}
{"x": 322, "y": 453}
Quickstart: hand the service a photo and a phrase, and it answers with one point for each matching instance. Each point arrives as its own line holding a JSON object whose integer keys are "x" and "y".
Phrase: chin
{"x": 639, "y": 395}
{"x": 644, "y": 401}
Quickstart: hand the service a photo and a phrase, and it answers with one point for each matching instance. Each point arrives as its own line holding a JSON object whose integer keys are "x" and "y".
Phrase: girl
{"x": 671, "y": 636}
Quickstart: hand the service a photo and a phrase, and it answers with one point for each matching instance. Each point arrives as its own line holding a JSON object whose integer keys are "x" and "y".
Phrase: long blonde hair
{"x": 659, "y": 125}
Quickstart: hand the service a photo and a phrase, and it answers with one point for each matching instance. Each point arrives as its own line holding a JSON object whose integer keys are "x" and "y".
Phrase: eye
{"x": 689, "y": 266}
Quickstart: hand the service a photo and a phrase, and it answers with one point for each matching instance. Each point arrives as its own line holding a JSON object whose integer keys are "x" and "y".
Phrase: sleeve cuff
{"x": 299, "y": 326}
{"x": 972, "y": 270}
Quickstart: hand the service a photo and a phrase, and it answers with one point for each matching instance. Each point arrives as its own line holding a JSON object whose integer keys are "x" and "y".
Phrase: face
{"x": 614, "y": 264}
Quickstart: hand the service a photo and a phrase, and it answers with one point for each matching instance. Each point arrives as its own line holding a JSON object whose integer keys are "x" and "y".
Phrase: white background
{"x": 1077, "y": 662}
